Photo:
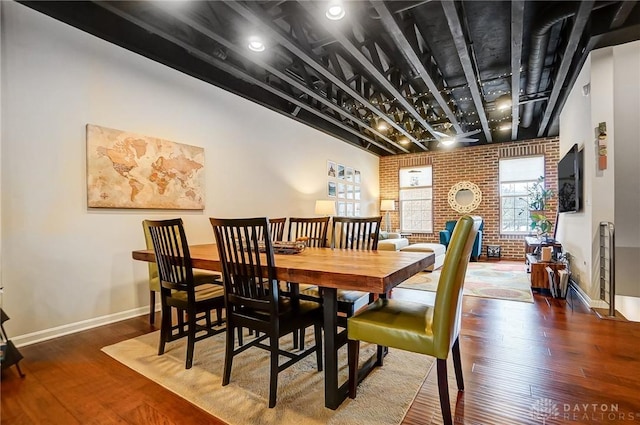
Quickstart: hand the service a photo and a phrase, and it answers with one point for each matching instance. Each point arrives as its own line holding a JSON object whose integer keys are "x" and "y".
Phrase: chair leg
{"x": 443, "y": 389}
{"x": 457, "y": 364}
{"x": 318, "y": 332}
{"x": 228, "y": 355}
{"x": 273, "y": 373}
{"x": 165, "y": 328}
{"x": 301, "y": 343}
{"x": 152, "y": 307}
{"x": 353, "y": 350}
{"x": 191, "y": 339}
{"x": 240, "y": 341}
{"x": 219, "y": 316}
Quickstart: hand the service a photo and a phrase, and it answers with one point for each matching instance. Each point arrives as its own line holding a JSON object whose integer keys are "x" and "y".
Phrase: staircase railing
{"x": 607, "y": 265}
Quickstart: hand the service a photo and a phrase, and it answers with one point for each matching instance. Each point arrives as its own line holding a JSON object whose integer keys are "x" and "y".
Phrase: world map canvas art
{"x": 127, "y": 170}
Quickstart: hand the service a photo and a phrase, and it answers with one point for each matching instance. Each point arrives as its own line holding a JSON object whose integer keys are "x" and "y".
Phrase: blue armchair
{"x": 445, "y": 237}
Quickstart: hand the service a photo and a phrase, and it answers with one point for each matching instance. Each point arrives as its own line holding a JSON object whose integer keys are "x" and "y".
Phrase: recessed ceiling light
{"x": 256, "y": 44}
{"x": 505, "y": 127}
{"x": 382, "y": 126}
{"x": 335, "y": 11}
{"x": 447, "y": 141}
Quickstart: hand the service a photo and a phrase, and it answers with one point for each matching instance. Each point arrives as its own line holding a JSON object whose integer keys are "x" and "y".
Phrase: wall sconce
{"x": 324, "y": 207}
{"x": 387, "y": 205}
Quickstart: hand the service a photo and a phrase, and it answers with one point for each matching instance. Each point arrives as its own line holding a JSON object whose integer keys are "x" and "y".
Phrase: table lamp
{"x": 324, "y": 207}
{"x": 387, "y": 205}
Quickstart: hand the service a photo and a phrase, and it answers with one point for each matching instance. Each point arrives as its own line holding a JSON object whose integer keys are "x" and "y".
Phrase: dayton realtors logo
{"x": 545, "y": 410}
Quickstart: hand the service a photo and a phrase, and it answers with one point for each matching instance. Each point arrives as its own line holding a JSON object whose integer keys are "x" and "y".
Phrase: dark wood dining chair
{"x": 276, "y": 228}
{"x": 419, "y": 327}
{"x": 253, "y": 299}
{"x": 313, "y": 230}
{"x": 178, "y": 290}
{"x": 360, "y": 233}
{"x": 200, "y": 277}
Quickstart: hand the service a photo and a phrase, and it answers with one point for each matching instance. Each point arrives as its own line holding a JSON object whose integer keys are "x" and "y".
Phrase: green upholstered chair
{"x": 200, "y": 277}
{"x": 427, "y": 329}
{"x": 253, "y": 299}
{"x": 193, "y": 304}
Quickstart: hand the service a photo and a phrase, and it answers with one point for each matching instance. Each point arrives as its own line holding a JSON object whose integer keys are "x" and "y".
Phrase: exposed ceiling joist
{"x": 407, "y": 50}
{"x": 380, "y": 78}
{"x": 517, "y": 32}
{"x": 459, "y": 39}
{"x": 282, "y": 39}
{"x": 205, "y": 56}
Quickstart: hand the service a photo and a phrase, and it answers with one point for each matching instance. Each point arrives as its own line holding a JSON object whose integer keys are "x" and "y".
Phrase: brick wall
{"x": 479, "y": 165}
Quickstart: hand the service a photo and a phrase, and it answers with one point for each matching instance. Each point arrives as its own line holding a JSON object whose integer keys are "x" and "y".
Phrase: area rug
{"x": 505, "y": 281}
{"x": 383, "y": 397}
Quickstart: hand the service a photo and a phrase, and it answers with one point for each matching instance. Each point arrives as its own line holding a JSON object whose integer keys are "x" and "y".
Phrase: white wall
{"x": 65, "y": 266}
{"x": 627, "y": 172}
{"x": 612, "y": 194}
{"x": 574, "y": 229}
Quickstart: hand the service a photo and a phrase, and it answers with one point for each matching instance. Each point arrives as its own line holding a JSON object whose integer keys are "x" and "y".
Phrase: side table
{"x": 539, "y": 278}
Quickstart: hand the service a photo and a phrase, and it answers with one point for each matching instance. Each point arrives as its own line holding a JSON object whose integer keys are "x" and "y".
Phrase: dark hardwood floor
{"x": 523, "y": 364}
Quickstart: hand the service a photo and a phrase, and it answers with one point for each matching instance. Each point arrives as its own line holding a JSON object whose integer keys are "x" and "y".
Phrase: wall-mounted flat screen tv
{"x": 570, "y": 180}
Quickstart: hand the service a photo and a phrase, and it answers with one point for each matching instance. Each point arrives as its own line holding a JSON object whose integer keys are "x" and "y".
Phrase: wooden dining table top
{"x": 370, "y": 271}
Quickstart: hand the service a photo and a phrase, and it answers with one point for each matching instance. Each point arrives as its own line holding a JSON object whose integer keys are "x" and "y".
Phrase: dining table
{"x": 376, "y": 272}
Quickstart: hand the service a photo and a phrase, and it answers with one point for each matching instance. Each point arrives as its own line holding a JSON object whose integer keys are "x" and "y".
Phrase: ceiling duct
{"x": 538, "y": 49}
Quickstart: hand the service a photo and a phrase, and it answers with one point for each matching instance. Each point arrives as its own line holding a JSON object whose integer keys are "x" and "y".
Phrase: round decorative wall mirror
{"x": 464, "y": 197}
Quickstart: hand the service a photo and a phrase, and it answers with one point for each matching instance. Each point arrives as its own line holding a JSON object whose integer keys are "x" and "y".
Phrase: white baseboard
{"x": 47, "y": 334}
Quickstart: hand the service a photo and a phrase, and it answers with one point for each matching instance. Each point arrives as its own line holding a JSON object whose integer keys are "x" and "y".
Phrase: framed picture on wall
{"x": 356, "y": 209}
{"x": 331, "y": 189}
{"x": 349, "y": 174}
{"x": 342, "y": 209}
{"x": 356, "y": 176}
{"x": 331, "y": 169}
{"x": 349, "y": 191}
{"x": 356, "y": 193}
{"x": 349, "y": 209}
{"x": 342, "y": 190}
{"x": 341, "y": 171}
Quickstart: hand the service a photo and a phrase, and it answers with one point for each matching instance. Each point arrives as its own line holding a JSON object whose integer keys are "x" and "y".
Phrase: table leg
{"x": 332, "y": 396}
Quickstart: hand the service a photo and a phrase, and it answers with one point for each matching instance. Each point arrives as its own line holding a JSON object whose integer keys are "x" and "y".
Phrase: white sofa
{"x": 388, "y": 241}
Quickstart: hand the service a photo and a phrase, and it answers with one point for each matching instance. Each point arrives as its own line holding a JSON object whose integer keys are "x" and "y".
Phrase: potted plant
{"x": 538, "y": 197}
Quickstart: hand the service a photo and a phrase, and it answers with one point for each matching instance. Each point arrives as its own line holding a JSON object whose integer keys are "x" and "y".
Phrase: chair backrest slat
{"x": 313, "y": 228}
{"x": 361, "y": 233}
{"x": 248, "y": 275}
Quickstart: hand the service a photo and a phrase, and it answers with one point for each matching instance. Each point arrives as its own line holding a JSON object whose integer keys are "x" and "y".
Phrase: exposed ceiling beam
{"x": 459, "y": 40}
{"x": 379, "y": 77}
{"x": 283, "y": 39}
{"x": 622, "y": 13}
{"x": 191, "y": 22}
{"x": 579, "y": 24}
{"x": 517, "y": 32}
{"x": 403, "y": 44}
{"x": 207, "y": 57}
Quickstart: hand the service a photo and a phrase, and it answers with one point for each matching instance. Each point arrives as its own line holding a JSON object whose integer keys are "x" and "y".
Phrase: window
{"x": 416, "y": 200}
{"x": 517, "y": 175}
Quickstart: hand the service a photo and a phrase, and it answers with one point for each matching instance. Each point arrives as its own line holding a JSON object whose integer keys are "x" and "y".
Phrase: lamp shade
{"x": 387, "y": 205}
{"x": 324, "y": 207}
